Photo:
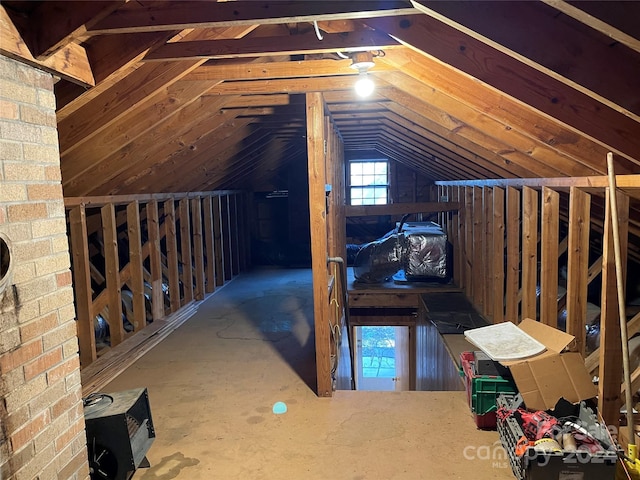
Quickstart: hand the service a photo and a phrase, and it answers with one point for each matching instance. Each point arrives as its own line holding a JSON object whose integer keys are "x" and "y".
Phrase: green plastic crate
{"x": 482, "y": 390}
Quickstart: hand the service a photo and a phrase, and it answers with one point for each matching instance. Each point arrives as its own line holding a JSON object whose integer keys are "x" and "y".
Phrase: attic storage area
{"x": 157, "y": 156}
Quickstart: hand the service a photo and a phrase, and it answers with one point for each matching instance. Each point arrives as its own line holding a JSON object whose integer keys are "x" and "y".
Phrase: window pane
{"x": 381, "y": 196}
{"x": 368, "y": 180}
{"x": 356, "y": 168}
{"x": 380, "y": 179}
{"x": 356, "y": 180}
{"x": 368, "y": 194}
{"x": 381, "y": 168}
{"x": 368, "y": 168}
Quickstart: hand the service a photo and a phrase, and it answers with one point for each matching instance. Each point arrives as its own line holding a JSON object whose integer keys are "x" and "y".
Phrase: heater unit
{"x": 119, "y": 433}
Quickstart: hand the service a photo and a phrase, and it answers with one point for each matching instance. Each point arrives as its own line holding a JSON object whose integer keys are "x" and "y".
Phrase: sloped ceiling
{"x": 193, "y": 96}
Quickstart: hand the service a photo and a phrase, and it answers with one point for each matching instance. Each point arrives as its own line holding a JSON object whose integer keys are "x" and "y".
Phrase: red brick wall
{"x": 42, "y": 424}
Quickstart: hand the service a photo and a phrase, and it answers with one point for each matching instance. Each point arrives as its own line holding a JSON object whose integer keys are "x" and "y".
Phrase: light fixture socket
{"x": 362, "y": 61}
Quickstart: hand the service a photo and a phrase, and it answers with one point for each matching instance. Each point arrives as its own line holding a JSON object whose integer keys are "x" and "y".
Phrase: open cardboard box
{"x": 544, "y": 378}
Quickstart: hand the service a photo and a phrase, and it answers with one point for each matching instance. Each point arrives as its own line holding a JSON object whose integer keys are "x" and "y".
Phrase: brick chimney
{"x": 42, "y": 424}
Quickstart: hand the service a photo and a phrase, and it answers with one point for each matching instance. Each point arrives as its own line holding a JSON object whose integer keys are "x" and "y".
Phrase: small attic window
{"x": 369, "y": 182}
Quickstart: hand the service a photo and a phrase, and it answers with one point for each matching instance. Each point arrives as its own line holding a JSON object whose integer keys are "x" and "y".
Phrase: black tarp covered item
{"x": 379, "y": 260}
{"x": 425, "y": 251}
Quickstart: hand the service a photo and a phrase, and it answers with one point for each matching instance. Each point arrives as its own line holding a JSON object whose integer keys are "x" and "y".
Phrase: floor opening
{"x": 382, "y": 358}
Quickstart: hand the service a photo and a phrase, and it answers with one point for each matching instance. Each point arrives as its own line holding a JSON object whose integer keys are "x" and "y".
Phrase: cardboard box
{"x": 544, "y": 378}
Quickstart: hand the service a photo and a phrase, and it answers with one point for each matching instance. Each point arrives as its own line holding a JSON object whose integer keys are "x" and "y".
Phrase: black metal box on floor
{"x": 119, "y": 433}
{"x": 536, "y": 465}
{"x": 486, "y": 366}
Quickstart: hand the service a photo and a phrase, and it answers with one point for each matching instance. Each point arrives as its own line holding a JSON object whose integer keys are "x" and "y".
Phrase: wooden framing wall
{"x": 166, "y": 251}
{"x": 326, "y": 170}
{"x": 523, "y": 226}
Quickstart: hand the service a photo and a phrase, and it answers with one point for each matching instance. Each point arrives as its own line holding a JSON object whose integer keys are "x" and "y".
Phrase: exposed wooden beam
{"x": 363, "y": 40}
{"x": 530, "y": 33}
{"x": 135, "y": 89}
{"x": 66, "y": 22}
{"x": 400, "y": 208}
{"x": 483, "y": 105}
{"x": 578, "y": 12}
{"x": 70, "y": 63}
{"x": 148, "y": 118}
{"x": 179, "y": 15}
{"x": 113, "y": 58}
{"x": 296, "y": 85}
{"x": 596, "y": 182}
{"x": 582, "y": 114}
{"x": 289, "y": 69}
{"x": 515, "y": 147}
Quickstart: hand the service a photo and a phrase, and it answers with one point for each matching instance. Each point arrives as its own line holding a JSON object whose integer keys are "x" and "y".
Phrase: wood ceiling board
{"x": 531, "y": 33}
{"x": 444, "y": 83}
{"x": 265, "y": 46}
{"x": 118, "y": 101}
{"x": 417, "y": 152}
{"x": 335, "y": 97}
{"x": 291, "y": 86}
{"x": 408, "y": 156}
{"x": 269, "y": 70}
{"x": 184, "y": 155}
{"x": 149, "y": 116}
{"x": 478, "y": 128}
{"x": 178, "y": 15}
{"x": 582, "y": 113}
{"x": 114, "y": 58}
{"x": 389, "y": 151}
{"x": 244, "y": 101}
{"x": 215, "y": 153}
{"x": 247, "y": 167}
{"x": 70, "y": 63}
{"x": 621, "y": 28}
{"x": 141, "y": 155}
{"x": 446, "y": 150}
{"x": 450, "y": 138}
{"x": 67, "y": 22}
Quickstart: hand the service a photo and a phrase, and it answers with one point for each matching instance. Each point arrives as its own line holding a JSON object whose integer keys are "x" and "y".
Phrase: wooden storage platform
{"x": 434, "y": 354}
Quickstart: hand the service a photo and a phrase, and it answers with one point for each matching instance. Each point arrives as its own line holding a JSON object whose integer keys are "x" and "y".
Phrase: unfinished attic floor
{"x": 213, "y": 382}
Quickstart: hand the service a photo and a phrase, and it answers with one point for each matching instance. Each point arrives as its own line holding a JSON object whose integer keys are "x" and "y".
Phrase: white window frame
{"x": 367, "y": 183}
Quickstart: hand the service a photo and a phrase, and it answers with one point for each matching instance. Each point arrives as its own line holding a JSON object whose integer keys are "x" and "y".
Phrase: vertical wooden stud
{"x": 488, "y": 288}
{"x": 235, "y": 234}
{"x": 513, "y": 254}
{"x": 468, "y": 240}
{"x": 478, "y": 271}
{"x": 82, "y": 284}
{"x": 317, "y": 207}
{"x": 112, "y": 273}
{"x": 227, "y": 241}
{"x": 610, "y": 371}
{"x": 217, "y": 236}
{"x": 185, "y": 250}
{"x": 198, "y": 248}
{"x": 578, "y": 265}
{"x": 172, "y": 253}
{"x": 549, "y": 257}
{"x": 498, "y": 255}
{"x": 155, "y": 260}
{"x": 139, "y": 320}
{"x": 457, "y": 239}
{"x": 529, "y": 252}
{"x": 209, "y": 248}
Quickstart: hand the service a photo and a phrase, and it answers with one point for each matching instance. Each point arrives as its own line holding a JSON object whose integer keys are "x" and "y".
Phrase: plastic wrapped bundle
{"x": 426, "y": 251}
{"x": 379, "y": 260}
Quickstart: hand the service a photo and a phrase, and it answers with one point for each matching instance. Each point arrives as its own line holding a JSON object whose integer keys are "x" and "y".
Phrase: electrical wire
{"x": 318, "y": 34}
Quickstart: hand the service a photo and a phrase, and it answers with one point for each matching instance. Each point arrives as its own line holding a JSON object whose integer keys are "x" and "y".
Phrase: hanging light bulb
{"x": 364, "y": 86}
{"x": 363, "y": 61}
